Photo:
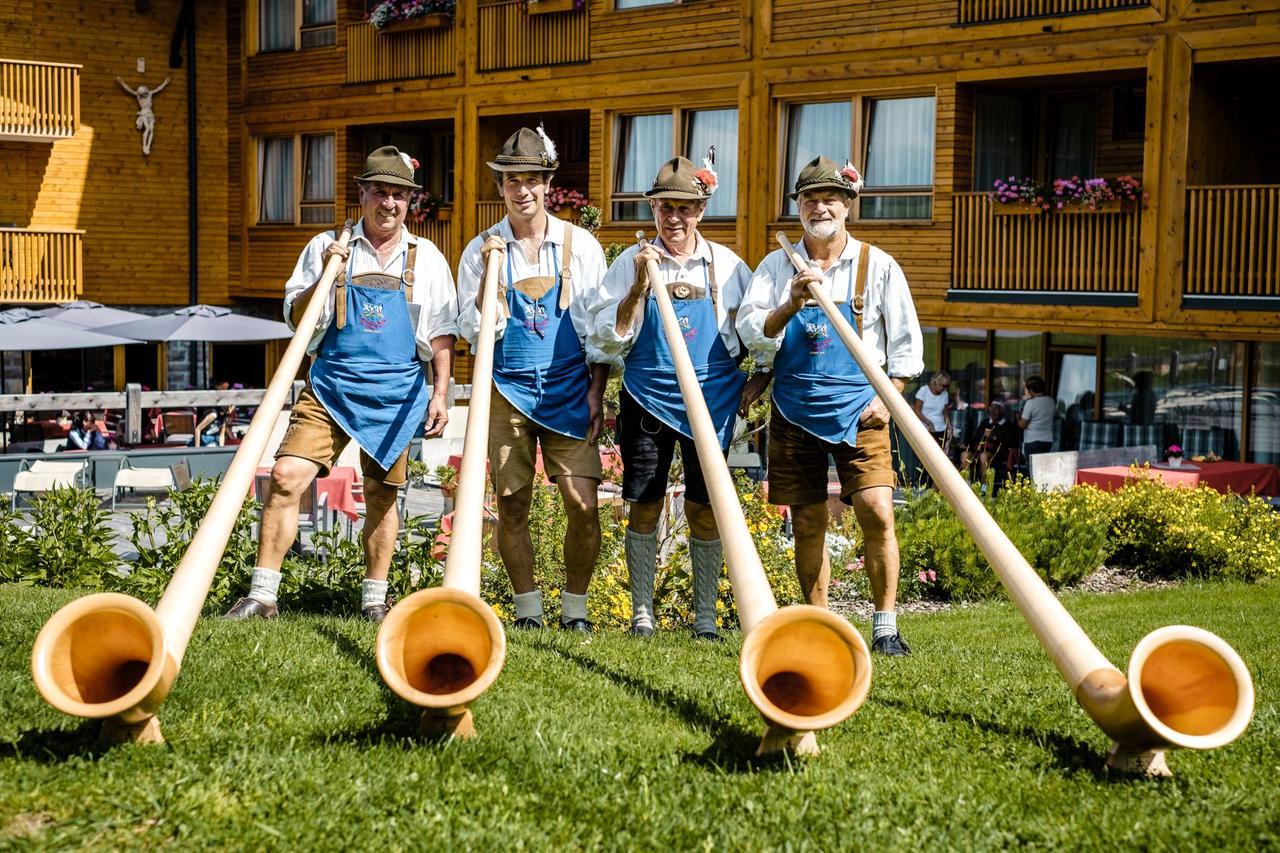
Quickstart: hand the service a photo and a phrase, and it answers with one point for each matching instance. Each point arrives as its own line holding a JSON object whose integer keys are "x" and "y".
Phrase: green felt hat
{"x": 680, "y": 179}
{"x": 389, "y": 165}
{"x": 822, "y": 173}
{"x": 526, "y": 151}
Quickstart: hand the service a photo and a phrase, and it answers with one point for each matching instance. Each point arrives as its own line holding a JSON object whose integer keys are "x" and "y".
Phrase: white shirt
{"x": 586, "y": 269}
{"x": 432, "y": 283}
{"x": 732, "y": 278}
{"x": 889, "y": 324}
{"x": 1039, "y": 413}
{"x": 932, "y": 406}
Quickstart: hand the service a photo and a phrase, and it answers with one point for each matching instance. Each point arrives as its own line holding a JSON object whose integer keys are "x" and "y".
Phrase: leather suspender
{"x": 566, "y": 276}
{"x": 340, "y": 287}
{"x": 864, "y": 261}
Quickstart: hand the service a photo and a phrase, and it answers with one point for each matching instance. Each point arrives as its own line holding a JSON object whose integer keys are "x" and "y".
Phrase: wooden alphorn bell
{"x": 803, "y": 667}
{"x": 441, "y": 648}
{"x": 109, "y": 656}
{"x": 1186, "y": 687}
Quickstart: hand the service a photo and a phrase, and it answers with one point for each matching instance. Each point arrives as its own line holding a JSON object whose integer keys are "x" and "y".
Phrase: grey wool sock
{"x": 707, "y": 558}
{"x": 884, "y": 623}
{"x": 529, "y": 605}
{"x": 264, "y": 585}
{"x": 372, "y": 592}
{"x": 642, "y": 560}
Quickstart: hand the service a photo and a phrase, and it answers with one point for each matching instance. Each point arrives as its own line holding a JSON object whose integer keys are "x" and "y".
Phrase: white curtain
{"x": 718, "y": 128}
{"x": 644, "y": 144}
{"x": 900, "y": 143}
{"x": 275, "y": 180}
{"x": 1000, "y": 148}
{"x": 319, "y": 12}
{"x": 275, "y": 25}
{"x": 317, "y": 177}
{"x": 814, "y": 129}
{"x": 637, "y": 4}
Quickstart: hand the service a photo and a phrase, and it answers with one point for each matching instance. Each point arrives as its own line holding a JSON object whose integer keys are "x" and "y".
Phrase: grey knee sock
{"x": 264, "y": 585}
{"x": 642, "y": 560}
{"x": 707, "y": 558}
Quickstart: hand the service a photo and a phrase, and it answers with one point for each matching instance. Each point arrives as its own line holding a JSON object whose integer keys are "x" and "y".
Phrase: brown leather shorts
{"x": 314, "y": 435}
{"x": 513, "y": 441}
{"x": 798, "y": 463}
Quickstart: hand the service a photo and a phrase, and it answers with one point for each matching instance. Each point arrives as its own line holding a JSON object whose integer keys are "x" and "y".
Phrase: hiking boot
{"x": 251, "y": 608}
{"x": 527, "y": 623}
{"x": 709, "y": 636}
{"x": 892, "y": 645}
{"x": 582, "y": 626}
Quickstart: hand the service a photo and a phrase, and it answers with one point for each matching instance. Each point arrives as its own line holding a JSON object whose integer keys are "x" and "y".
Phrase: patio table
{"x": 1240, "y": 478}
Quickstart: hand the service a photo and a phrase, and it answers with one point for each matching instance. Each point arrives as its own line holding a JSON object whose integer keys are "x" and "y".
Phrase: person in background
{"x": 932, "y": 406}
{"x": 84, "y": 434}
{"x": 992, "y": 441}
{"x": 1036, "y": 418}
{"x": 212, "y": 426}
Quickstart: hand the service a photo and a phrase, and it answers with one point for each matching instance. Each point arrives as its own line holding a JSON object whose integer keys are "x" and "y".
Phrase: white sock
{"x": 529, "y": 605}
{"x": 264, "y": 585}
{"x": 884, "y": 623}
{"x": 572, "y": 607}
{"x": 372, "y": 592}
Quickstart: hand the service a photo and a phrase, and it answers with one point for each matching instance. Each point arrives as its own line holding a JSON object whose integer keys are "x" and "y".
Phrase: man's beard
{"x": 824, "y": 230}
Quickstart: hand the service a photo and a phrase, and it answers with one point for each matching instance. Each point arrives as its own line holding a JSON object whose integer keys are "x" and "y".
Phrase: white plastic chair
{"x": 149, "y": 479}
{"x": 42, "y": 475}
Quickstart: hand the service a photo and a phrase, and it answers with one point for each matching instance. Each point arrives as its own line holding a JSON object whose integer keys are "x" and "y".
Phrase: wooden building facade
{"x": 1155, "y": 321}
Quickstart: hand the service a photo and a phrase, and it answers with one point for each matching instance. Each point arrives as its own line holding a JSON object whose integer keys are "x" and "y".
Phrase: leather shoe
{"x": 709, "y": 636}
{"x": 251, "y": 608}
{"x": 375, "y": 613}
{"x": 581, "y": 626}
{"x": 641, "y": 631}
{"x": 527, "y": 623}
{"x": 891, "y": 645}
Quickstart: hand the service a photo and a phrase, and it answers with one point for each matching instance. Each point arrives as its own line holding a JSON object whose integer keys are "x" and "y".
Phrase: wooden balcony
{"x": 438, "y": 231}
{"x": 489, "y": 212}
{"x": 1233, "y": 242}
{"x": 989, "y": 11}
{"x": 374, "y": 56}
{"x": 39, "y": 101}
{"x": 509, "y": 38}
{"x": 1076, "y": 257}
{"x": 40, "y": 266}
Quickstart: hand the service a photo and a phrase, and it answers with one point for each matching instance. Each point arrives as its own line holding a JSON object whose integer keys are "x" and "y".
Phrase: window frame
{"x": 613, "y": 6}
{"x": 298, "y": 181}
{"x": 253, "y": 18}
{"x": 680, "y": 128}
{"x": 860, "y": 138}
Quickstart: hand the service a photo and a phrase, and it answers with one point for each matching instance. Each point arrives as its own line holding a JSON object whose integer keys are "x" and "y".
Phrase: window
{"x": 1000, "y": 148}
{"x": 644, "y": 142}
{"x": 1073, "y": 129}
{"x": 894, "y": 144}
{"x": 286, "y": 24}
{"x": 287, "y": 196}
{"x": 640, "y": 4}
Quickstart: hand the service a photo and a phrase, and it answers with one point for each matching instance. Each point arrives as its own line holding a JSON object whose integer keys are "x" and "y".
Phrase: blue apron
{"x": 650, "y": 375}
{"x": 816, "y": 383}
{"x": 367, "y": 374}
{"x": 539, "y": 363}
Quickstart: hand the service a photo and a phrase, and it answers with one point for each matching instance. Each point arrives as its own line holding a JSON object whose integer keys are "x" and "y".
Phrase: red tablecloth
{"x": 339, "y": 487}
{"x": 1239, "y": 478}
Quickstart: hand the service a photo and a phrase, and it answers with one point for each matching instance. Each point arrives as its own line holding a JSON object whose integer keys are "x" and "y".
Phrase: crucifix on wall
{"x": 146, "y": 121}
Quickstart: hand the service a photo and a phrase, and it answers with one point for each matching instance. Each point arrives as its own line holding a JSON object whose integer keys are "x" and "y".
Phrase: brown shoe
{"x": 251, "y": 608}
{"x": 375, "y": 613}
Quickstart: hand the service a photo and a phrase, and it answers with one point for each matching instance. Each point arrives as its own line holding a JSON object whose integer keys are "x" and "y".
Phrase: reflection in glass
{"x": 1077, "y": 385}
{"x": 1015, "y": 357}
{"x": 1264, "y": 405}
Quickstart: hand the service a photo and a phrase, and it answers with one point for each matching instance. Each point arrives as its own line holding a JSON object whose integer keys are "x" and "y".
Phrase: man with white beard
{"x": 823, "y": 404}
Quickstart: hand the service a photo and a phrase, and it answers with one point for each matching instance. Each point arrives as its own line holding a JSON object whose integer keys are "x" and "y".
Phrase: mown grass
{"x": 282, "y": 735}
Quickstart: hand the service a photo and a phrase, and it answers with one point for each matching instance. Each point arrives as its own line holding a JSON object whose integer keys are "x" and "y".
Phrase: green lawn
{"x": 282, "y": 734}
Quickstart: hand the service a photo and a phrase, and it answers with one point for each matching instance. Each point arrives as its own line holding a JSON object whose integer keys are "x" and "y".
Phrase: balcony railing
{"x": 373, "y": 56}
{"x": 987, "y": 11}
{"x": 438, "y": 231}
{"x": 40, "y": 266}
{"x": 38, "y": 100}
{"x": 489, "y": 212}
{"x": 1083, "y": 252}
{"x": 509, "y": 38}
{"x": 1233, "y": 241}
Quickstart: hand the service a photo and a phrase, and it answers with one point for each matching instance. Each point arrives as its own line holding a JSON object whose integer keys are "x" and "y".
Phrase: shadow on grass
{"x": 732, "y": 750}
{"x": 1070, "y": 754}
{"x": 56, "y": 746}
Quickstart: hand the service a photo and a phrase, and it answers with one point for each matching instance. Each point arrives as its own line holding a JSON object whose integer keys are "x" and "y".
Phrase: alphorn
{"x": 1186, "y": 687}
{"x": 440, "y": 648}
{"x": 803, "y": 667}
{"x": 109, "y": 656}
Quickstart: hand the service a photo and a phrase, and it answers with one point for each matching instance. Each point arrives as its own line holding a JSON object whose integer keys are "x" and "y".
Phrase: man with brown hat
{"x": 550, "y": 382}
{"x": 823, "y": 404}
{"x": 393, "y": 309}
{"x": 706, "y": 282}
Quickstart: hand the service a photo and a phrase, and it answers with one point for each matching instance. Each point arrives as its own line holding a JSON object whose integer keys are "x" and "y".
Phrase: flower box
{"x": 433, "y": 21}
{"x": 547, "y": 7}
{"x": 444, "y": 214}
{"x": 1003, "y": 209}
{"x": 1114, "y": 205}
{"x": 565, "y": 213}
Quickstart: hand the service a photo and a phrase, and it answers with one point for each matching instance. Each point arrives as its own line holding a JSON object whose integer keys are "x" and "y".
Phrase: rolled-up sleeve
{"x": 898, "y": 338}
{"x": 470, "y": 271}
{"x": 589, "y": 271}
{"x": 434, "y": 291}
{"x": 609, "y": 346}
{"x": 765, "y": 292}
{"x": 307, "y": 272}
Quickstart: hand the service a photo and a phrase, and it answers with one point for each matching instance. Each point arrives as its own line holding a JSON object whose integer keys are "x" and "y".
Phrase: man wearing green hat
{"x": 393, "y": 309}
{"x": 823, "y": 404}
{"x": 549, "y": 379}
{"x": 705, "y": 281}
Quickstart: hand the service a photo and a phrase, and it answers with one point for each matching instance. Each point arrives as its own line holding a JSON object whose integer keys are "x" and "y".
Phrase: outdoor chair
{"x": 1096, "y": 435}
{"x": 1135, "y": 435}
{"x": 148, "y": 479}
{"x": 1202, "y": 442}
{"x": 40, "y": 476}
{"x": 181, "y": 472}
{"x": 179, "y": 428}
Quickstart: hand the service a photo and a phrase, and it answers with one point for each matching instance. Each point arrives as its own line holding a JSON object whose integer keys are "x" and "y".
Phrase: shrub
{"x": 15, "y": 547}
{"x": 70, "y": 543}
{"x": 1172, "y": 533}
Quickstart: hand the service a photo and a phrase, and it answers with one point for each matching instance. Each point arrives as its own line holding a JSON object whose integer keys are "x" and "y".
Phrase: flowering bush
{"x": 559, "y": 198}
{"x": 394, "y": 11}
{"x": 591, "y": 218}
{"x": 1018, "y": 191}
{"x": 1075, "y": 191}
{"x": 423, "y": 205}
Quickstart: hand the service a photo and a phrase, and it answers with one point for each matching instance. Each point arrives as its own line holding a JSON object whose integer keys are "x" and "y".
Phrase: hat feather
{"x": 850, "y": 174}
{"x": 547, "y": 144}
{"x": 707, "y": 174}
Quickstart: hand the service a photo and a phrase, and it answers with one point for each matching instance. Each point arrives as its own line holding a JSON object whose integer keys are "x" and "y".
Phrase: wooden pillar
{"x": 1165, "y": 215}
{"x": 162, "y": 367}
{"x": 117, "y": 367}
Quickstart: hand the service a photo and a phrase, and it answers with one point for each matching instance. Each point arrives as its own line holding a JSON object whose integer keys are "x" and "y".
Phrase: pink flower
{"x": 933, "y": 576}
{"x": 924, "y": 577}
{"x": 414, "y": 161}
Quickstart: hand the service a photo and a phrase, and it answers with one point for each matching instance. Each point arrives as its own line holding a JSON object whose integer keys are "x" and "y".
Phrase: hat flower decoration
{"x": 706, "y": 176}
{"x": 851, "y": 176}
{"x": 411, "y": 162}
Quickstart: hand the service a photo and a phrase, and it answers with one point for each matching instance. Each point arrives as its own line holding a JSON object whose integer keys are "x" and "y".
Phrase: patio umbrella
{"x": 207, "y": 323}
{"x": 23, "y": 329}
{"x": 89, "y": 315}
